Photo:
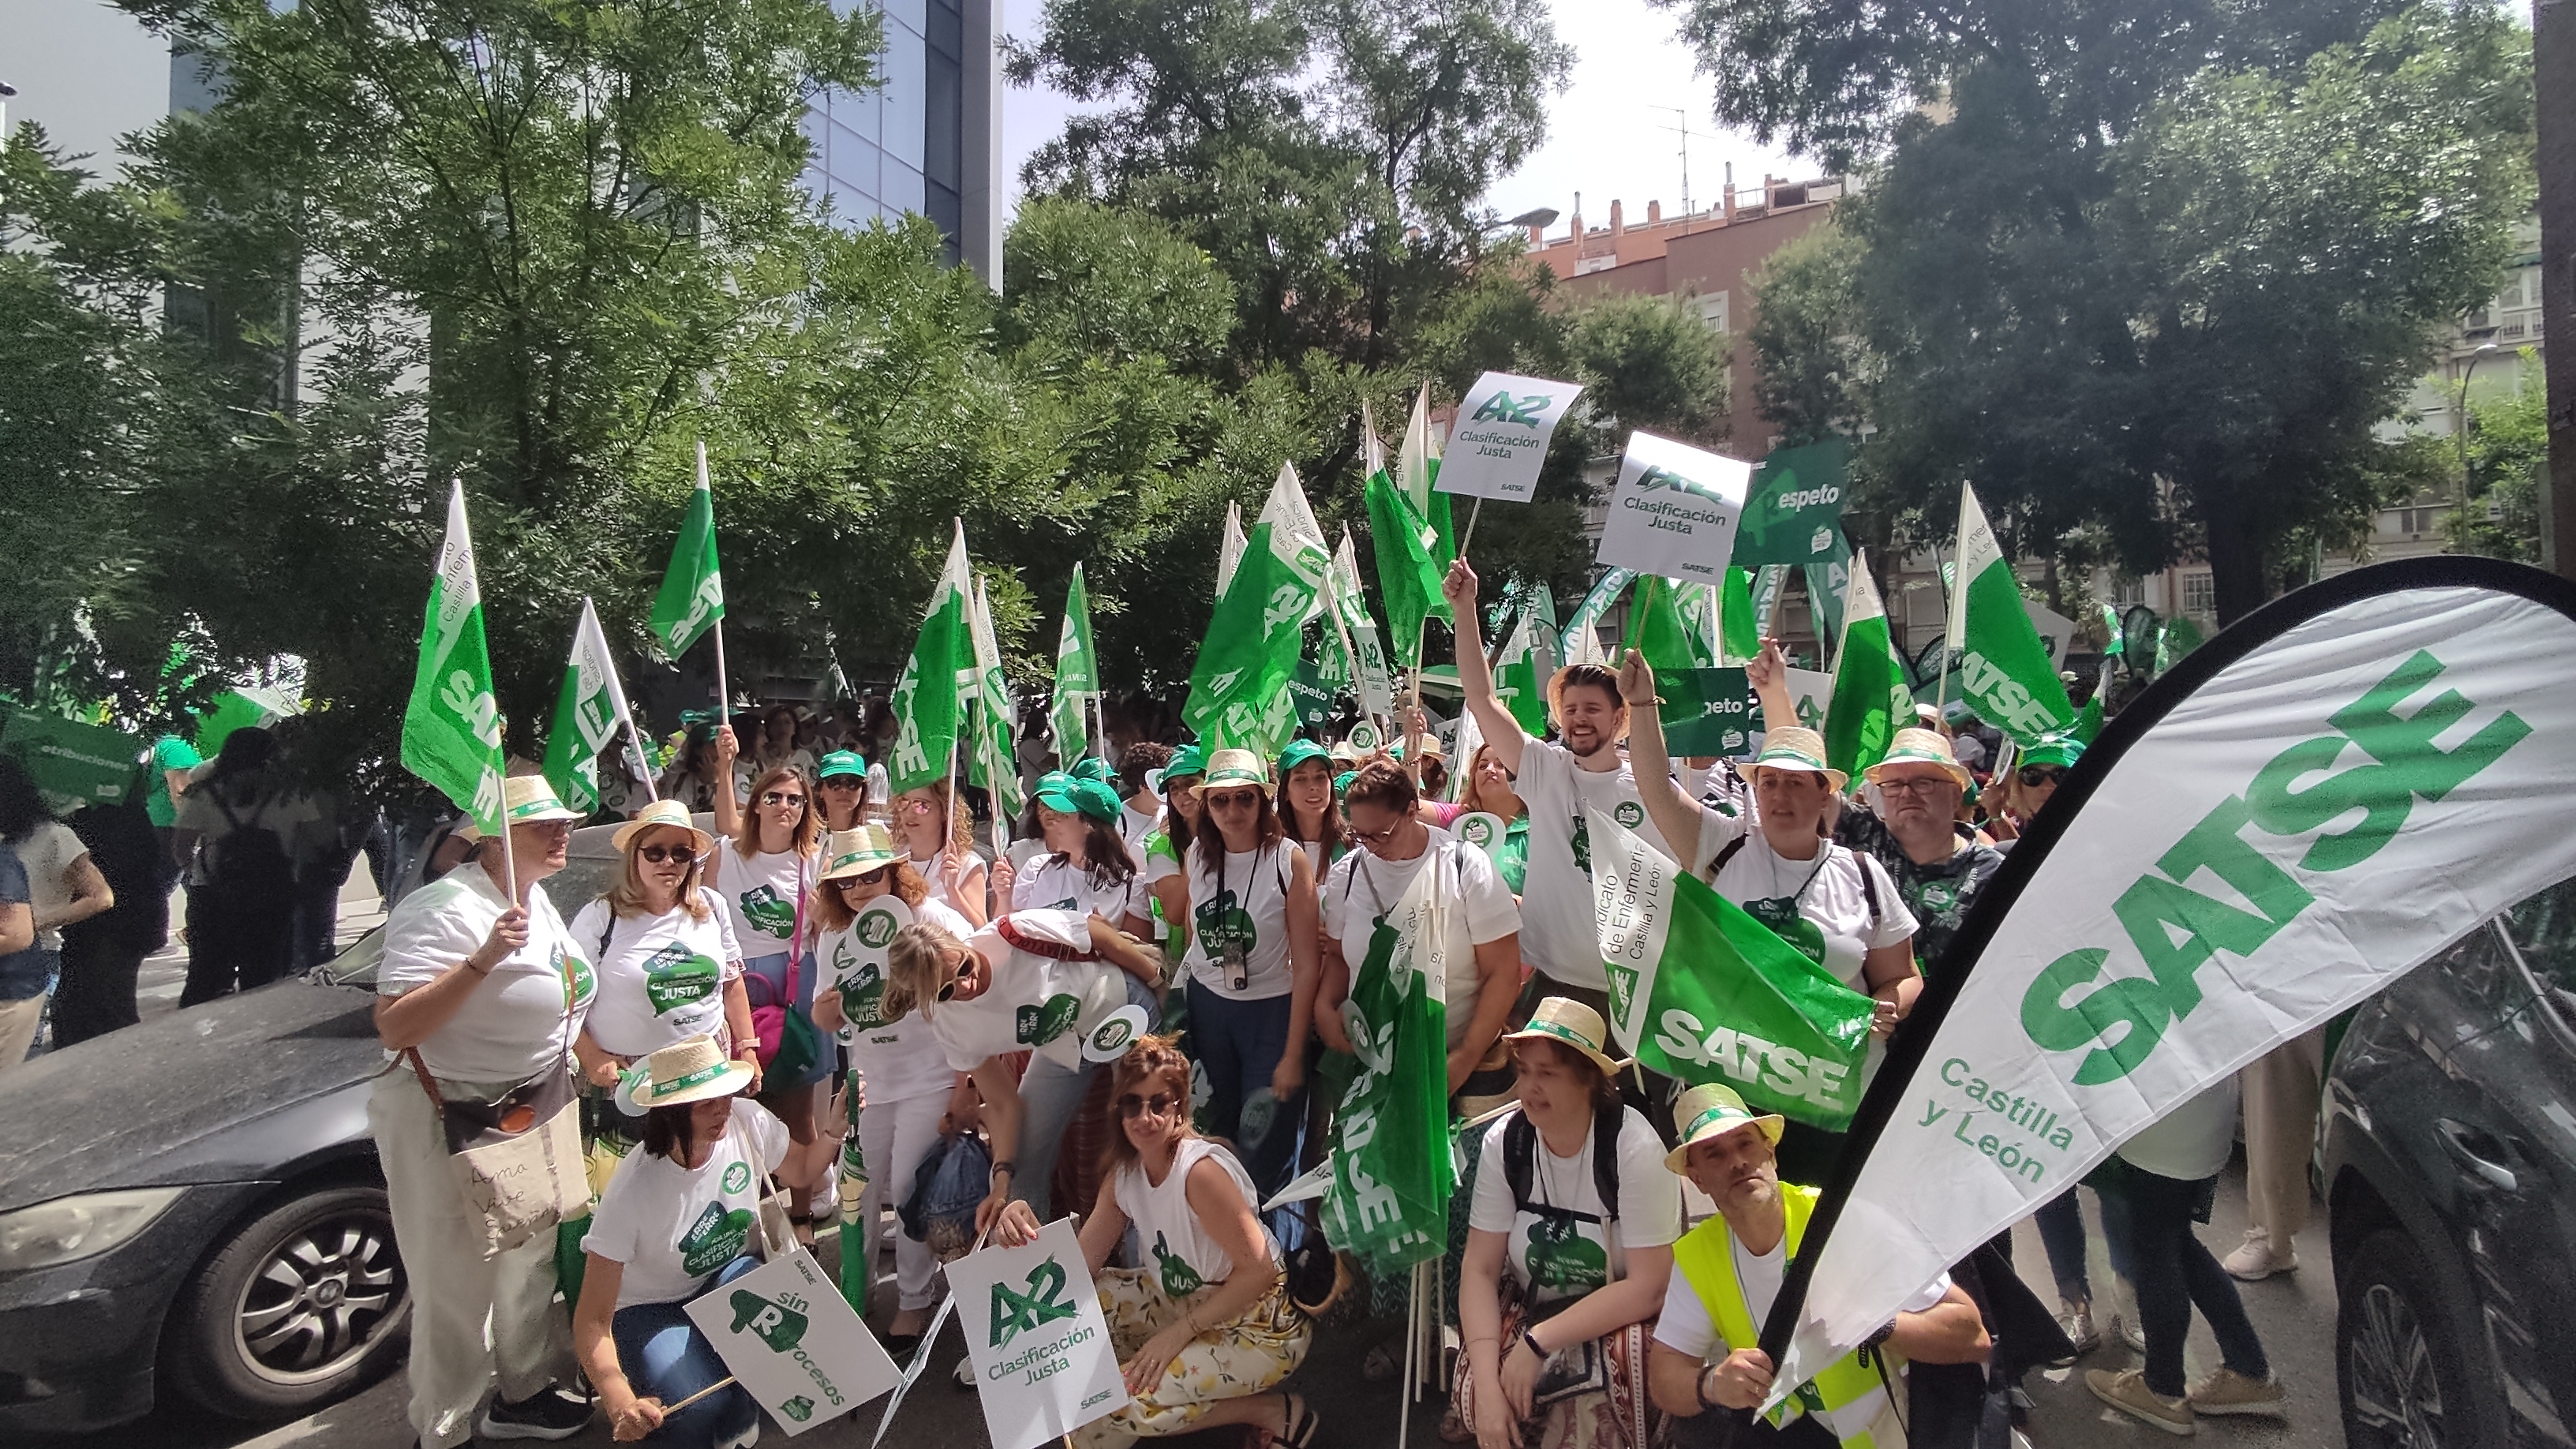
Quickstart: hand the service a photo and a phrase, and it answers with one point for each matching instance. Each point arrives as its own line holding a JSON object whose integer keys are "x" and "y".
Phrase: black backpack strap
{"x": 1724, "y": 855}
{"x": 1520, "y": 1157}
{"x": 1607, "y": 1119}
{"x": 1868, "y": 884}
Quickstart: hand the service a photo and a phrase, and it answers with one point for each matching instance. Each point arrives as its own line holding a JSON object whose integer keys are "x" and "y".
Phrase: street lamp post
{"x": 2461, "y": 433}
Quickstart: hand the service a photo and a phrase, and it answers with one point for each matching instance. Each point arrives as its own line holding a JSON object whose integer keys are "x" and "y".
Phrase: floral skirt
{"x": 1620, "y": 1417}
{"x": 1245, "y": 1356}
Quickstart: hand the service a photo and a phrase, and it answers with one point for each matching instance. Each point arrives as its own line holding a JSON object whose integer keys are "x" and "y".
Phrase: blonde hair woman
{"x": 763, "y": 876}
{"x": 663, "y": 946}
{"x": 924, "y": 818}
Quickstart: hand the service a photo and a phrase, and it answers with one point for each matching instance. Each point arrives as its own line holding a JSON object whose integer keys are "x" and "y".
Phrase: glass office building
{"x": 926, "y": 141}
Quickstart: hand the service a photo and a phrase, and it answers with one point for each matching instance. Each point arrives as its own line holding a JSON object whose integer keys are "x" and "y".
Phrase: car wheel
{"x": 303, "y": 1303}
{"x": 2401, "y": 1377}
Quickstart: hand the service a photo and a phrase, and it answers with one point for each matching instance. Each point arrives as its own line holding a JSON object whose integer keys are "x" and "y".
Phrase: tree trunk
{"x": 2235, "y": 562}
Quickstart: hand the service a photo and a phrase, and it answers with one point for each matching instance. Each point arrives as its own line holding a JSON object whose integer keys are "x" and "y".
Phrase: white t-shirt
{"x": 933, "y": 869}
{"x": 1558, "y": 1255}
{"x": 1363, "y": 888}
{"x": 1684, "y": 1324}
{"x": 761, "y": 895}
{"x": 1135, "y": 826}
{"x": 513, "y": 1023}
{"x": 1257, "y": 881}
{"x": 1558, "y": 935}
{"x": 672, "y": 1227}
{"x": 1054, "y": 883}
{"x": 49, "y": 850}
{"x": 1168, "y": 1232}
{"x": 1034, "y": 1002}
{"x": 899, "y": 1060}
{"x": 1830, "y": 897}
{"x": 661, "y": 978}
{"x": 2191, "y": 1141}
{"x": 290, "y": 814}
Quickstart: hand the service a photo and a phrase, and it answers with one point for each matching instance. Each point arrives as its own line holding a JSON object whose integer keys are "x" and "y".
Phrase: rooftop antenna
{"x": 1685, "y": 131}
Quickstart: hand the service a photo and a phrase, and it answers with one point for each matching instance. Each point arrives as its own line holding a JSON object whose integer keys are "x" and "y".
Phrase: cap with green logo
{"x": 842, "y": 762}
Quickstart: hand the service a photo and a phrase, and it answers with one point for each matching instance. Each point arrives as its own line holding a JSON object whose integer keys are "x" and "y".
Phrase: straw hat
{"x": 659, "y": 814}
{"x": 687, "y": 1071}
{"x": 526, "y": 800}
{"x": 1920, "y": 747}
{"x": 1792, "y": 747}
{"x": 1228, "y": 768}
{"x": 1713, "y": 1110}
{"x": 856, "y": 852}
{"x": 1569, "y": 1023}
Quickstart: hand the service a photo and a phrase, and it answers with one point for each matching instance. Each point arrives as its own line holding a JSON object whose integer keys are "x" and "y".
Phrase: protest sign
{"x": 1034, "y": 1332}
{"x": 1500, "y": 438}
{"x": 1482, "y": 830}
{"x": 1708, "y": 712}
{"x": 1793, "y": 512}
{"x": 794, "y": 1342}
{"x": 73, "y": 764}
{"x": 1675, "y": 510}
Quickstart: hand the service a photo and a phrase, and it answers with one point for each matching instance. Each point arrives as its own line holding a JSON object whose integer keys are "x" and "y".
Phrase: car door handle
{"x": 2475, "y": 1151}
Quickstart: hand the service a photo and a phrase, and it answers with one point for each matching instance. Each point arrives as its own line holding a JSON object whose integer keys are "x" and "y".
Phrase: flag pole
{"x": 1473, "y": 509}
{"x": 643, "y": 761}
{"x": 724, "y": 695}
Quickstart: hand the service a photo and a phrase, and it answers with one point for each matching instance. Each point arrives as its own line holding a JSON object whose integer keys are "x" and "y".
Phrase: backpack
{"x": 1520, "y": 1159}
{"x": 1868, "y": 882}
{"x": 249, "y": 861}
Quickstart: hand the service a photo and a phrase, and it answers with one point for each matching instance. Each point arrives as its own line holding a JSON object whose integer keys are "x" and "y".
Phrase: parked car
{"x": 192, "y": 1205}
{"x": 2448, "y": 1150}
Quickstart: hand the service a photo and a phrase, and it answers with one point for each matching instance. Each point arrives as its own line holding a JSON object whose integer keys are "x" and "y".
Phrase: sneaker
{"x": 2257, "y": 1259}
{"x": 2127, "y": 1392}
{"x": 2229, "y": 1392}
{"x": 2076, "y": 1317}
{"x": 966, "y": 1375}
{"x": 745, "y": 1439}
{"x": 555, "y": 1413}
{"x": 2130, "y": 1333}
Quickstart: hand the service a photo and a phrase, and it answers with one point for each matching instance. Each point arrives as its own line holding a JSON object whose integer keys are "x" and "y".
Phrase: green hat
{"x": 1185, "y": 762}
{"x": 1920, "y": 747}
{"x": 1068, "y": 795}
{"x": 856, "y": 852}
{"x": 1709, "y": 1111}
{"x": 1298, "y": 753}
{"x": 1092, "y": 767}
{"x": 1342, "y": 781}
{"x": 1233, "y": 767}
{"x": 2059, "y": 748}
{"x": 1794, "y": 748}
{"x": 842, "y": 762}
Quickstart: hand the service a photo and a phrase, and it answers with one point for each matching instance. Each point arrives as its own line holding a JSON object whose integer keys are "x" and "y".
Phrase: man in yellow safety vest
{"x": 1727, "y": 1270}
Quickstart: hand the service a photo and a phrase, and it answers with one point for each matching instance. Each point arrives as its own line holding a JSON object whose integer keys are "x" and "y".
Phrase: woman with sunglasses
{"x": 868, "y": 895}
{"x": 1042, "y": 982}
{"x": 763, "y": 876}
{"x": 841, "y": 788}
{"x": 1252, "y": 966}
{"x": 1308, "y": 812}
{"x": 1205, "y": 1327}
{"x": 668, "y": 962}
{"x": 1087, "y": 867}
{"x": 939, "y": 839}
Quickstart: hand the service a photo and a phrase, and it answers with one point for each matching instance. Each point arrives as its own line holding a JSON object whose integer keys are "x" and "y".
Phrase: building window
{"x": 1713, "y": 310}
{"x": 2199, "y": 593}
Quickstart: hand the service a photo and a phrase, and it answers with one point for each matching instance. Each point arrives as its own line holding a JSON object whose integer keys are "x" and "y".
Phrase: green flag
{"x": 1739, "y": 630}
{"x": 1702, "y": 991}
{"x": 589, "y": 710}
{"x": 1662, "y": 633}
{"x": 2175, "y": 637}
{"x": 1408, "y": 568}
{"x": 1870, "y": 701}
{"x": 1529, "y": 660}
{"x": 992, "y": 765}
{"x": 1766, "y": 599}
{"x": 1392, "y": 1174}
{"x": 2005, "y": 674}
{"x": 1417, "y": 474}
{"x": 925, "y": 699}
{"x": 1357, "y": 639}
{"x": 1793, "y": 510}
{"x": 1077, "y": 675}
{"x": 451, "y": 733}
{"x": 1239, "y": 687}
{"x": 1581, "y": 637}
{"x": 1827, "y": 583}
{"x": 692, "y": 596}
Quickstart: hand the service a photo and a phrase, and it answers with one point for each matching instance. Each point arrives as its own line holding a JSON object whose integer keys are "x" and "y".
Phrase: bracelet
{"x": 1885, "y": 1332}
{"x": 1530, "y": 1337}
{"x": 1699, "y": 1387}
{"x": 1006, "y": 1165}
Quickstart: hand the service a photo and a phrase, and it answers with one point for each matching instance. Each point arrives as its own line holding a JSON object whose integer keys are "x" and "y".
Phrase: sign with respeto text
{"x": 1044, "y": 1365}
{"x": 1675, "y": 510}
{"x": 1500, "y": 438}
{"x": 794, "y": 1342}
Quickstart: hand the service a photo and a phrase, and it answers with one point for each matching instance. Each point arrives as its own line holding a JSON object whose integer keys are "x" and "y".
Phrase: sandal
{"x": 1299, "y": 1432}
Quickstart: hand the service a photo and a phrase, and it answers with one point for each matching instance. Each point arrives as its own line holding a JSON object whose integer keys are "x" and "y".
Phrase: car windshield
{"x": 2543, "y": 929}
{"x": 589, "y": 870}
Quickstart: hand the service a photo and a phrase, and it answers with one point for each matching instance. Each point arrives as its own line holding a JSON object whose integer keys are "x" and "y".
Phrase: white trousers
{"x": 471, "y": 1316}
{"x": 2282, "y": 1089}
{"x": 894, "y": 1137}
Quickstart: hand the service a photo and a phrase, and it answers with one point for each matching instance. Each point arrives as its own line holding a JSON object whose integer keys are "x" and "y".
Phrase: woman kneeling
{"x": 1571, "y": 1197}
{"x": 1205, "y": 1327}
{"x": 675, "y": 1222}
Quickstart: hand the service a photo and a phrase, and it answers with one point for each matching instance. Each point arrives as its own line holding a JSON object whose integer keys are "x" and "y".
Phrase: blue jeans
{"x": 2176, "y": 1274}
{"x": 1238, "y": 1044}
{"x": 1050, "y": 1096}
{"x": 2061, "y": 1232}
{"x": 665, "y": 1357}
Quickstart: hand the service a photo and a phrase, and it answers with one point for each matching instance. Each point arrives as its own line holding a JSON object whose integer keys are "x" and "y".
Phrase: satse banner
{"x": 794, "y": 1342}
{"x": 1500, "y": 438}
{"x": 1675, "y": 510}
{"x": 1035, "y": 1334}
{"x": 2322, "y": 798}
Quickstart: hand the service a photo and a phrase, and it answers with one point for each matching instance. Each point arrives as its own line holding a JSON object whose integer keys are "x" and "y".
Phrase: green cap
{"x": 2059, "y": 748}
{"x": 1342, "y": 781}
{"x": 842, "y": 762}
{"x": 1068, "y": 795}
{"x": 1092, "y": 767}
{"x": 1186, "y": 762}
{"x": 1298, "y": 753}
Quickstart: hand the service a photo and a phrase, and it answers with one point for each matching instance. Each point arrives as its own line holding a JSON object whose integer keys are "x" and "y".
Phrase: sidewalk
{"x": 165, "y": 972}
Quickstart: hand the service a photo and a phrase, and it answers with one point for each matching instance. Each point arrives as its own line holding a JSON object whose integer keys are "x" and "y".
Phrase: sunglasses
{"x": 2037, "y": 775}
{"x": 1132, "y": 1106}
{"x": 865, "y": 877}
{"x": 664, "y": 854}
{"x": 965, "y": 969}
{"x": 781, "y": 797}
{"x": 845, "y": 782}
{"x": 1234, "y": 800}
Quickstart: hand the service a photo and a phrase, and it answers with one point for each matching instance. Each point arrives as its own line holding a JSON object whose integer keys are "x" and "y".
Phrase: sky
{"x": 1606, "y": 137}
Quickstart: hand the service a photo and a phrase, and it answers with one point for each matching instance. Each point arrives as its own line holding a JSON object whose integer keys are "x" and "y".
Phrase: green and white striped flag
{"x": 1581, "y": 637}
{"x": 1229, "y": 547}
{"x": 589, "y": 711}
{"x": 1077, "y": 675}
{"x": 1239, "y": 686}
{"x": 1528, "y": 661}
{"x": 2005, "y": 674}
{"x": 1370, "y": 679}
{"x": 2113, "y": 646}
{"x": 1417, "y": 474}
{"x": 451, "y": 734}
{"x": 992, "y": 765}
{"x": 926, "y": 699}
{"x": 692, "y": 596}
{"x": 1407, "y": 546}
{"x": 1392, "y": 1174}
{"x": 1870, "y": 702}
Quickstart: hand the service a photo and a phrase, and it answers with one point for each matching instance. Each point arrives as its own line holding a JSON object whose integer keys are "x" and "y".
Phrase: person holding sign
{"x": 1205, "y": 1327}
{"x": 667, "y": 963}
{"x": 675, "y": 1222}
{"x": 1727, "y": 1270}
{"x": 1489, "y": 791}
{"x": 1060, "y": 985}
{"x": 869, "y": 893}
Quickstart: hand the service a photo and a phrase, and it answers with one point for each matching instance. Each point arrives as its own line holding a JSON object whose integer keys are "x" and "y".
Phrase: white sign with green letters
{"x": 1036, "y": 1337}
{"x": 1500, "y": 439}
{"x": 794, "y": 1342}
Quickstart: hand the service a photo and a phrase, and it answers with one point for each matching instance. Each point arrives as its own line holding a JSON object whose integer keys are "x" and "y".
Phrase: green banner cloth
{"x": 2005, "y": 673}
{"x": 1256, "y": 635}
{"x": 993, "y": 764}
{"x": 1077, "y": 674}
{"x": 1870, "y": 701}
{"x": 451, "y": 732}
{"x": 926, "y": 698}
{"x": 589, "y": 710}
{"x": 1793, "y": 514}
{"x": 73, "y": 764}
{"x": 1707, "y": 711}
{"x": 1393, "y": 1175}
{"x": 692, "y": 595}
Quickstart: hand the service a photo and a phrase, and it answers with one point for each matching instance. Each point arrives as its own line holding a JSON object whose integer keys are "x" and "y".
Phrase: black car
{"x": 193, "y": 1205}
{"x": 2448, "y": 1147}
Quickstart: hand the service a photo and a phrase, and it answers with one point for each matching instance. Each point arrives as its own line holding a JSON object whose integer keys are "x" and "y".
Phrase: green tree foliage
{"x": 2508, "y": 448}
{"x": 1653, "y": 364}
